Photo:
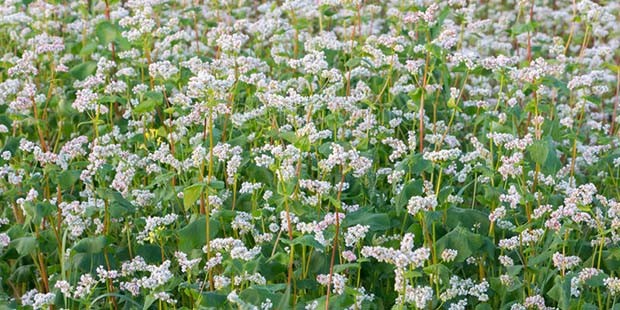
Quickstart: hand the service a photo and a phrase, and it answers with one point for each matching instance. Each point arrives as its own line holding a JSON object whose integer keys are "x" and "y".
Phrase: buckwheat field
{"x": 309, "y": 154}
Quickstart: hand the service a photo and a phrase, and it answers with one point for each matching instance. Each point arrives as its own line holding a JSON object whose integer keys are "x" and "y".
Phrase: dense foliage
{"x": 309, "y": 154}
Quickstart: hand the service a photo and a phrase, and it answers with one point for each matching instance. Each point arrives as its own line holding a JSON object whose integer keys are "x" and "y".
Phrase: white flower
{"x": 449, "y": 255}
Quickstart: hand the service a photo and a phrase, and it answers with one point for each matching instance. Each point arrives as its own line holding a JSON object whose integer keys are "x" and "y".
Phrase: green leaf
{"x": 326, "y": 148}
{"x": 150, "y": 101}
{"x": 284, "y": 301}
{"x": 240, "y": 140}
{"x": 217, "y": 184}
{"x": 259, "y": 174}
{"x": 150, "y": 252}
{"x": 11, "y": 144}
{"x": 120, "y": 206}
{"x": 612, "y": 67}
{"x": 376, "y": 221}
{"x": 522, "y": 28}
{"x": 552, "y": 164}
{"x": 148, "y": 301}
{"x": 539, "y": 151}
{"x": 289, "y": 136}
{"x": 42, "y": 210}
{"x": 413, "y": 188}
{"x": 193, "y": 235}
{"x": 155, "y": 96}
{"x": 540, "y": 259}
{"x": 444, "y": 193}
{"x": 307, "y": 240}
{"x": 452, "y": 103}
{"x": 420, "y": 164}
{"x": 611, "y": 258}
{"x": 106, "y": 32}
{"x": 560, "y": 292}
{"x": 589, "y": 306}
{"x": 24, "y": 245}
{"x": 468, "y": 218}
{"x": 462, "y": 240}
{"x": 88, "y": 49}
{"x": 440, "y": 270}
{"x": 343, "y": 267}
{"x": 91, "y": 245}
{"x": 597, "y": 280}
{"x": 144, "y": 107}
{"x": 67, "y": 178}
{"x": 83, "y": 70}
{"x": 22, "y": 274}
{"x": 255, "y": 295}
{"x": 191, "y": 194}
{"x": 212, "y": 300}
{"x": 86, "y": 262}
{"x": 483, "y": 306}
{"x": 353, "y": 62}
{"x": 117, "y": 295}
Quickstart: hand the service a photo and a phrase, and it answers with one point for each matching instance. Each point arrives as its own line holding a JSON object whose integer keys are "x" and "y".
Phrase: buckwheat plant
{"x": 309, "y": 154}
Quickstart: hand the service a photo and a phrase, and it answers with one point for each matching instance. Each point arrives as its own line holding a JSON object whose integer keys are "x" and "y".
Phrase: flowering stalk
{"x": 335, "y": 243}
